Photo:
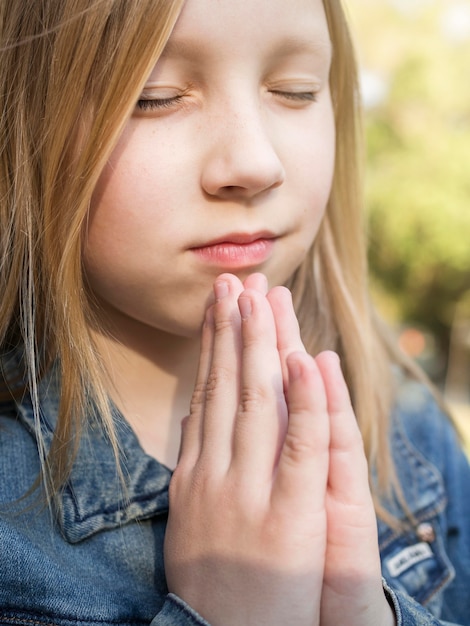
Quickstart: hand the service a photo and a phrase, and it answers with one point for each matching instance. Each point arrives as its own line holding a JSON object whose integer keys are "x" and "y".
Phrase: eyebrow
{"x": 189, "y": 49}
{"x": 295, "y": 45}
{"x": 319, "y": 46}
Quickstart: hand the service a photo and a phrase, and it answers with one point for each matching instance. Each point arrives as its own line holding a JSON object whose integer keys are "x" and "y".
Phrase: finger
{"x": 352, "y": 525}
{"x": 287, "y": 326}
{"x": 261, "y": 419}
{"x": 256, "y": 281}
{"x": 221, "y": 384}
{"x": 348, "y": 480}
{"x": 303, "y": 465}
{"x": 191, "y": 431}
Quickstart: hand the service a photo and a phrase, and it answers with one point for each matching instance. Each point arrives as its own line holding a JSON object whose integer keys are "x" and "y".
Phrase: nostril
{"x": 231, "y": 171}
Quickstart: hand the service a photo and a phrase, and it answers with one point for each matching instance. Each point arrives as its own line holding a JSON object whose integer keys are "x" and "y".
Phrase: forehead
{"x": 241, "y": 26}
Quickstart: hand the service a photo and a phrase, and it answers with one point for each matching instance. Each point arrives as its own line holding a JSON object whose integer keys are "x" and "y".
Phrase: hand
{"x": 352, "y": 585}
{"x": 247, "y": 532}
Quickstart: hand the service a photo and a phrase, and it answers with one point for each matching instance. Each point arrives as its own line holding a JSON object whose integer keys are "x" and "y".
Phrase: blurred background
{"x": 414, "y": 57}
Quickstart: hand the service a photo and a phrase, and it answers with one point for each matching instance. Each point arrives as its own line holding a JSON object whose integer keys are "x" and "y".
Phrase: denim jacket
{"x": 96, "y": 559}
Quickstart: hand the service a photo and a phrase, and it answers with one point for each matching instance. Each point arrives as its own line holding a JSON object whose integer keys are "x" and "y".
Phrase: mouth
{"x": 237, "y": 250}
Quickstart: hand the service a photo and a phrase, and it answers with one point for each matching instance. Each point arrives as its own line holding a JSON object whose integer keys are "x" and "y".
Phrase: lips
{"x": 236, "y": 250}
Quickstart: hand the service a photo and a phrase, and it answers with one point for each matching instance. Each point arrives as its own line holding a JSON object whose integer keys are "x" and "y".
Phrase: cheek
{"x": 312, "y": 155}
{"x": 138, "y": 177}
{"x": 315, "y": 175}
{"x": 115, "y": 229}
{"x": 130, "y": 205}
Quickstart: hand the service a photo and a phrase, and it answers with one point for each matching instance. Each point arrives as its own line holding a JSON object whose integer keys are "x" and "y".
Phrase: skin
{"x": 170, "y": 185}
{"x": 271, "y": 519}
{"x": 233, "y": 142}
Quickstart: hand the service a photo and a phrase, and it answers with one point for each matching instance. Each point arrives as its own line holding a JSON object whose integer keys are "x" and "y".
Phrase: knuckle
{"x": 298, "y": 449}
{"x": 217, "y": 379}
{"x": 253, "y": 400}
{"x": 198, "y": 398}
{"x": 252, "y": 339}
{"x": 223, "y": 324}
{"x": 190, "y": 479}
{"x": 204, "y": 479}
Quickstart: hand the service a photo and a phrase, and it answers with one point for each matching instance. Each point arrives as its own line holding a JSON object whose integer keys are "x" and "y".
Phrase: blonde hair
{"x": 330, "y": 288}
{"x": 71, "y": 72}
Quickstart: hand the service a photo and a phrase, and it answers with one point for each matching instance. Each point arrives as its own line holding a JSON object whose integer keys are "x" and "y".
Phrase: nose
{"x": 241, "y": 160}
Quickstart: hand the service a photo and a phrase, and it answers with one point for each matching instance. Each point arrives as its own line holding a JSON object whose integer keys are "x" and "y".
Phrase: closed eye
{"x": 154, "y": 104}
{"x": 299, "y": 96}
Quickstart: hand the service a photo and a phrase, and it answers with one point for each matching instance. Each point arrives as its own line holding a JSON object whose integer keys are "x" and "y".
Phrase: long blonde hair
{"x": 330, "y": 288}
{"x": 71, "y": 72}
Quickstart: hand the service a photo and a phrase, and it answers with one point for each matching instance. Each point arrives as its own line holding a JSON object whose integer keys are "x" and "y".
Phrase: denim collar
{"x": 94, "y": 498}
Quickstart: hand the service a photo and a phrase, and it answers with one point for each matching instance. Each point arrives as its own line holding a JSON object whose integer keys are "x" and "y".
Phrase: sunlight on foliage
{"x": 418, "y": 147}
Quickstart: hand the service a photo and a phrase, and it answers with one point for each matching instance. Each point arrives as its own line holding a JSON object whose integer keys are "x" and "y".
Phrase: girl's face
{"x": 225, "y": 166}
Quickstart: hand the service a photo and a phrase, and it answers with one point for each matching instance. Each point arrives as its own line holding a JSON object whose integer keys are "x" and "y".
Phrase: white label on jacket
{"x": 408, "y": 557}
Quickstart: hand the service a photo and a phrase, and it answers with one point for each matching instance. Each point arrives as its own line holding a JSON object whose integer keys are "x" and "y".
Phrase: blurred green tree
{"x": 418, "y": 158}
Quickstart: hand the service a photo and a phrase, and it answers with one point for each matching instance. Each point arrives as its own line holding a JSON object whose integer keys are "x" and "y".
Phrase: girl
{"x": 166, "y": 166}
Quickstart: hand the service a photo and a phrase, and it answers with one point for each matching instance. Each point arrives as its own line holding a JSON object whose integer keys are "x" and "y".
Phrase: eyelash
{"x": 158, "y": 103}
{"x": 167, "y": 103}
{"x": 299, "y": 96}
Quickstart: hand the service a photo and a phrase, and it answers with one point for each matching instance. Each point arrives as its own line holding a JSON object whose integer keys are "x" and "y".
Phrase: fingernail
{"x": 244, "y": 304}
{"x": 220, "y": 289}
